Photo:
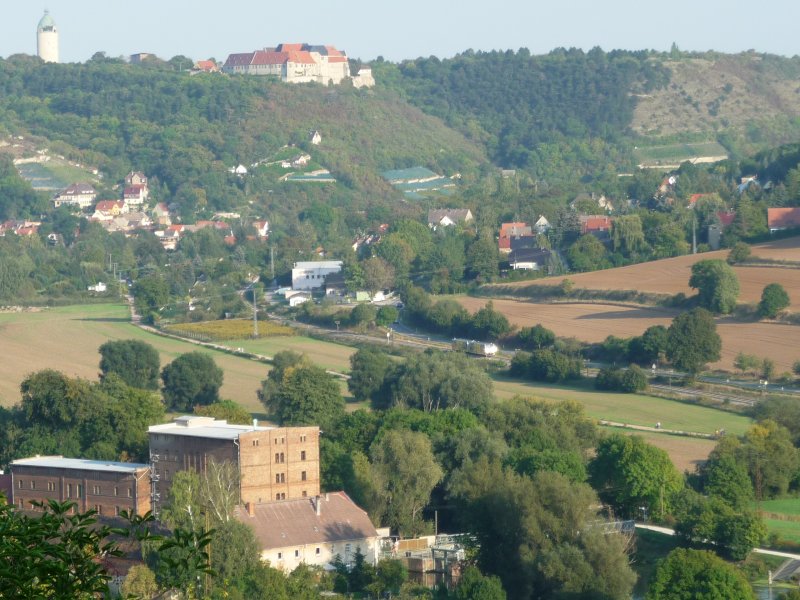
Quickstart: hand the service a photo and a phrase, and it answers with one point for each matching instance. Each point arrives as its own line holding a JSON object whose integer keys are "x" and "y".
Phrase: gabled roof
{"x": 525, "y": 255}
{"x": 264, "y": 57}
{"x": 301, "y": 57}
{"x": 241, "y": 59}
{"x": 454, "y": 214}
{"x": 289, "y": 47}
{"x": 107, "y": 205}
{"x": 595, "y": 223}
{"x": 726, "y": 218}
{"x": 515, "y": 229}
{"x": 78, "y": 189}
{"x": 296, "y": 522}
{"x": 783, "y": 218}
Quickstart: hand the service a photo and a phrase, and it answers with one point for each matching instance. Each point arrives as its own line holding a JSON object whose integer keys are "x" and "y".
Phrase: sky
{"x": 367, "y": 29}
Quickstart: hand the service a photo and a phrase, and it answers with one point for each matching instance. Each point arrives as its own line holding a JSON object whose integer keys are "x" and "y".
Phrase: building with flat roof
{"x": 309, "y": 275}
{"x": 274, "y": 463}
{"x": 105, "y": 486}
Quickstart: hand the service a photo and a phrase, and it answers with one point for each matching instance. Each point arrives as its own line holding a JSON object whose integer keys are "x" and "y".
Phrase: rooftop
{"x": 205, "y": 427}
{"x": 59, "y": 462}
{"x": 318, "y": 264}
{"x": 296, "y": 522}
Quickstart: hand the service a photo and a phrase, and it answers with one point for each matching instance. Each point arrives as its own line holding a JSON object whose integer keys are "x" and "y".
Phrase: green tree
{"x": 227, "y": 410}
{"x": 773, "y": 300}
{"x": 483, "y": 258}
{"x": 536, "y": 337}
{"x": 716, "y": 284}
{"x": 649, "y": 348}
{"x": 191, "y": 379}
{"x": 386, "y": 316}
{"x": 378, "y": 275}
{"x": 306, "y": 395}
{"x": 627, "y": 236}
{"x": 725, "y": 476}
{"x": 739, "y": 253}
{"x": 629, "y": 473}
{"x": 746, "y": 362}
{"x": 473, "y": 585}
{"x": 700, "y": 575}
{"x": 150, "y": 294}
{"x": 136, "y": 362}
{"x": 140, "y": 582}
{"x": 368, "y": 370}
{"x": 587, "y": 254}
{"x": 405, "y": 471}
{"x": 693, "y": 341}
{"x": 363, "y": 314}
{"x": 489, "y": 324}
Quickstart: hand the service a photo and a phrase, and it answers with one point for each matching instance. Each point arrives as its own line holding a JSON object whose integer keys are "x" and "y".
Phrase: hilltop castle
{"x": 47, "y": 39}
{"x": 298, "y": 63}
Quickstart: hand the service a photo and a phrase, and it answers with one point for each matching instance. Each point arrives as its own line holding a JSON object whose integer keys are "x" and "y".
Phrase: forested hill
{"x": 532, "y": 111}
{"x": 186, "y": 131}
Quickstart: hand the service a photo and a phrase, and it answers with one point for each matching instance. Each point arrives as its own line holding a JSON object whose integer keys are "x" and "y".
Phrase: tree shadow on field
{"x": 105, "y": 319}
{"x": 634, "y": 313}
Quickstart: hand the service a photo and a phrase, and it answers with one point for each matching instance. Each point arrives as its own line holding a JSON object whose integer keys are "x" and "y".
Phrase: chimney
{"x": 318, "y": 505}
{"x": 251, "y": 509}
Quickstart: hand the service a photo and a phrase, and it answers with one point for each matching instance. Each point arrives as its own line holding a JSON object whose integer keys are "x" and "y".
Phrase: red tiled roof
{"x": 504, "y": 243}
{"x": 337, "y": 59}
{"x": 510, "y": 229}
{"x": 108, "y": 204}
{"x": 332, "y": 51}
{"x": 289, "y": 47}
{"x": 239, "y": 60}
{"x": 783, "y": 218}
{"x": 206, "y": 65}
{"x": 301, "y": 57}
{"x": 266, "y": 57}
{"x": 595, "y": 223}
{"x": 695, "y": 197}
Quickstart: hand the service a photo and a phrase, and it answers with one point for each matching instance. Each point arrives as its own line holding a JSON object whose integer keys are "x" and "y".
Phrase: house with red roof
{"x": 106, "y": 210}
{"x": 515, "y": 235}
{"x": 206, "y": 66}
{"x": 783, "y": 218}
{"x": 595, "y": 224}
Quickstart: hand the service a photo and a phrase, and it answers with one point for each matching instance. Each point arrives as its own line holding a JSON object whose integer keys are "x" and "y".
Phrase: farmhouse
{"x": 81, "y": 195}
{"x": 309, "y": 275}
{"x": 105, "y": 486}
{"x": 783, "y": 218}
{"x": 311, "y": 530}
{"x": 274, "y": 463}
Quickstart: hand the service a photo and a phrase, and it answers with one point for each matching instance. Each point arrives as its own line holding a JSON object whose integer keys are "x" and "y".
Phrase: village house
{"x": 311, "y": 531}
{"x": 21, "y": 228}
{"x": 274, "y": 463}
{"x": 542, "y": 225}
{"x": 783, "y": 218}
{"x": 445, "y": 217}
{"x": 315, "y": 138}
{"x": 161, "y": 214}
{"x": 134, "y": 195}
{"x": 598, "y": 225}
{"x": 528, "y": 259}
{"x": 106, "y": 210}
{"x": 293, "y": 63}
{"x": 81, "y": 195}
{"x": 206, "y": 66}
{"x": 515, "y": 235}
{"x": 136, "y": 178}
{"x": 262, "y": 229}
{"x": 309, "y": 275}
{"x": 105, "y": 486}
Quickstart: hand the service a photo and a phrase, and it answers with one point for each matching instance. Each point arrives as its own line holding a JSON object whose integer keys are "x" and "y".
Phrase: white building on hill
{"x": 309, "y": 275}
{"x": 293, "y": 63}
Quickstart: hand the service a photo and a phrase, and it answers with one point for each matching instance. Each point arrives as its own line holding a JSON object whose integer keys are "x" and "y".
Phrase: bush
{"x": 386, "y": 315}
{"x": 630, "y": 380}
{"x": 739, "y": 253}
{"x": 545, "y": 365}
{"x": 773, "y": 300}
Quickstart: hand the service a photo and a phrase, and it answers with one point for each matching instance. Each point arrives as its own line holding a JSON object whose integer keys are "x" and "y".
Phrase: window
{"x": 302, "y": 454}
{"x": 130, "y": 494}
{"x": 79, "y": 490}
{"x": 116, "y": 491}
{"x": 33, "y": 484}
{"x": 305, "y": 493}
{"x": 302, "y": 476}
{"x": 296, "y": 553}
{"x": 317, "y": 550}
{"x": 51, "y": 486}
{"x": 19, "y": 484}
{"x": 277, "y": 457}
{"x": 116, "y": 510}
{"x": 99, "y": 509}
{"x": 96, "y": 490}
{"x": 277, "y": 496}
{"x": 280, "y": 477}
{"x": 255, "y": 442}
{"x": 303, "y": 438}
{"x": 280, "y": 555}
{"x": 69, "y": 490}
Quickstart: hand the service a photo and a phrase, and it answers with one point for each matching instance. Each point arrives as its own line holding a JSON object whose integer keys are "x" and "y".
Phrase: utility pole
{"x": 694, "y": 233}
{"x": 272, "y": 263}
{"x": 254, "y": 289}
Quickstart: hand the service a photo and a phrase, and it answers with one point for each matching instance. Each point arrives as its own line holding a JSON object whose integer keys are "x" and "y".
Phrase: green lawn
{"x": 634, "y": 409}
{"x": 784, "y": 506}
{"x": 787, "y": 530}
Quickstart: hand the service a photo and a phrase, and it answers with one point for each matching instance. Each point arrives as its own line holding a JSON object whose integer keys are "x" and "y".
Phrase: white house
{"x": 78, "y": 194}
{"x": 542, "y": 225}
{"x": 99, "y": 287}
{"x": 308, "y": 275}
{"x": 316, "y": 138}
{"x": 446, "y": 217}
{"x": 311, "y": 531}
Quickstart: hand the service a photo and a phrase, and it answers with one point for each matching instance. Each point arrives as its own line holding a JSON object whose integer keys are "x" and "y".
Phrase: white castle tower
{"x": 47, "y": 39}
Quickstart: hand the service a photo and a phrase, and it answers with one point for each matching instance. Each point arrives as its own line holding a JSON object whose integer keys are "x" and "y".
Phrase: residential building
{"x": 274, "y": 463}
{"x": 315, "y": 138}
{"x": 262, "y": 229}
{"x": 595, "y": 224}
{"x": 161, "y": 215}
{"x": 134, "y": 195}
{"x": 105, "y": 486}
{"x": 81, "y": 195}
{"x": 206, "y": 66}
{"x": 312, "y": 531}
{"x": 783, "y": 218}
{"x": 293, "y": 63}
{"x": 444, "y": 217}
{"x": 106, "y": 210}
{"x": 136, "y": 178}
{"x": 309, "y": 275}
{"x": 515, "y": 235}
{"x": 542, "y": 225}
{"x": 528, "y": 259}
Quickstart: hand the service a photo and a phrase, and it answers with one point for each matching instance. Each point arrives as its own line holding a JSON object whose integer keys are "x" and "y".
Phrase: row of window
{"x": 280, "y": 457}
{"x": 317, "y": 551}
{"x": 77, "y": 488}
{"x": 97, "y": 507}
{"x": 281, "y": 477}
{"x": 280, "y": 440}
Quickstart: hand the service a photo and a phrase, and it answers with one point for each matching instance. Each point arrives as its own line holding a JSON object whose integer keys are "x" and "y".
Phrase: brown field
{"x": 593, "y": 322}
{"x": 686, "y": 452}
{"x": 671, "y": 275}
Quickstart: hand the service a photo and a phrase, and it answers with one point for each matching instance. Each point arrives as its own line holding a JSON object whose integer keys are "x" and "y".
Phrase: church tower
{"x": 47, "y": 39}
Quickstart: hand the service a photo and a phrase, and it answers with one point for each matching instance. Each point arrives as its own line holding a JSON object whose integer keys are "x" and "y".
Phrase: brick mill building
{"x": 105, "y": 486}
{"x": 274, "y": 463}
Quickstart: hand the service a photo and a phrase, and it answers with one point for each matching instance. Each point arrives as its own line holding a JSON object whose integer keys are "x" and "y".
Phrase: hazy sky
{"x": 398, "y": 30}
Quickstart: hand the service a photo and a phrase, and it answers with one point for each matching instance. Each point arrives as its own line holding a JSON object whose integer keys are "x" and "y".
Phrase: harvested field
{"x": 671, "y": 275}
{"x": 686, "y": 452}
{"x": 67, "y": 339}
{"x": 593, "y": 322}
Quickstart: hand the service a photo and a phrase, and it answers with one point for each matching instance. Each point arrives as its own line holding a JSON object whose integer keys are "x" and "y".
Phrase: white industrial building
{"x": 309, "y": 275}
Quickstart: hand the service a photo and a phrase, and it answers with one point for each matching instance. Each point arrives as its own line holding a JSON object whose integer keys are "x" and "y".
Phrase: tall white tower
{"x": 47, "y": 39}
